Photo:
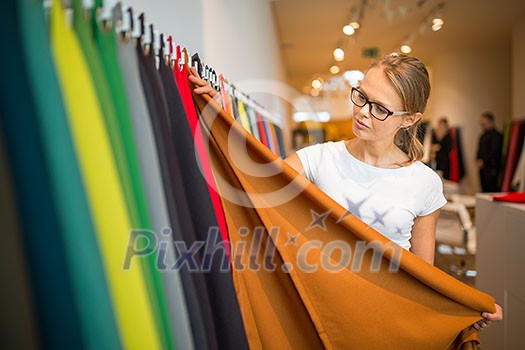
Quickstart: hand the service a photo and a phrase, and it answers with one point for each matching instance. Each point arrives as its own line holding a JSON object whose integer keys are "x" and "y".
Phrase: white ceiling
{"x": 310, "y": 30}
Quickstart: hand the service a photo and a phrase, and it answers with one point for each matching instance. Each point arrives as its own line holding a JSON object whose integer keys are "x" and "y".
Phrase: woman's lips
{"x": 361, "y": 125}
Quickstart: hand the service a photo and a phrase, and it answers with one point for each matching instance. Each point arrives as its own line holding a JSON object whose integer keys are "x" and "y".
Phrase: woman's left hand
{"x": 202, "y": 87}
{"x": 488, "y": 318}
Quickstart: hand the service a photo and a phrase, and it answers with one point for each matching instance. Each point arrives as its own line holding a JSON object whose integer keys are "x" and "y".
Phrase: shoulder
{"x": 425, "y": 172}
{"x": 315, "y": 157}
{"x": 429, "y": 185}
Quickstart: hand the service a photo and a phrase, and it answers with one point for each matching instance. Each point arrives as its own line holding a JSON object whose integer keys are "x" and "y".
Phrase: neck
{"x": 376, "y": 153}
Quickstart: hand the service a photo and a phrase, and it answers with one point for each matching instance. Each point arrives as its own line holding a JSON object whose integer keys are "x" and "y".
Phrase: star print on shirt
{"x": 355, "y": 207}
{"x": 318, "y": 219}
{"x": 399, "y": 231}
{"x": 379, "y": 217}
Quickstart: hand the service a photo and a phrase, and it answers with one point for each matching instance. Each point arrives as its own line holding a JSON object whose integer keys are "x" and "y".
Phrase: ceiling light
{"x": 438, "y": 21}
{"x": 334, "y": 69}
{"x": 353, "y": 77}
{"x": 406, "y": 49}
{"x": 314, "y": 92}
{"x": 339, "y": 54}
{"x": 348, "y": 30}
{"x": 436, "y": 27}
{"x": 355, "y": 25}
{"x": 316, "y": 83}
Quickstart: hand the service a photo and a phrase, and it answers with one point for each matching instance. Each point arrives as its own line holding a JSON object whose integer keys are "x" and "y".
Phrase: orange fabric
{"x": 418, "y": 307}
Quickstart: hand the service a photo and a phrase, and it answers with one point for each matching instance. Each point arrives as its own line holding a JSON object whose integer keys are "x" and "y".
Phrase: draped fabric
{"x": 518, "y": 180}
{"x": 189, "y": 147}
{"x": 18, "y": 319}
{"x": 514, "y": 197}
{"x": 154, "y": 188}
{"x": 81, "y": 250}
{"x": 262, "y": 130}
{"x": 454, "y": 174}
{"x": 253, "y": 122}
{"x": 219, "y": 287}
{"x": 106, "y": 198}
{"x": 125, "y": 150}
{"x": 515, "y": 143}
{"x": 251, "y": 116}
{"x": 418, "y": 307}
{"x": 280, "y": 141}
{"x": 461, "y": 161}
{"x": 194, "y": 160}
{"x": 40, "y": 225}
{"x": 183, "y": 230}
{"x": 504, "y": 151}
{"x": 242, "y": 114}
{"x": 457, "y": 166}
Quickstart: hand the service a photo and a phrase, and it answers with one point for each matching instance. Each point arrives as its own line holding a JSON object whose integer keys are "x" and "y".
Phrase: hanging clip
{"x": 157, "y": 45}
{"x": 186, "y": 58}
{"x": 196, "y": 62}
{"x": 151, "y": 36}
{"x": 215, "y": 80}
{"x": 107, "y": 7}
{"x": 146, "y": 35}
{"x": 125, "y": 24}
{"x": 170, "y": 47}
{"x": 141, "y": 27}
{"x": 87, "y": 4}
{"x": 145, "y": 38}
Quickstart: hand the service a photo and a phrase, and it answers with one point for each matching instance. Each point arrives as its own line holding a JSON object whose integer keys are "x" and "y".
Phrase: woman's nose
{"x": 364, "y": 111}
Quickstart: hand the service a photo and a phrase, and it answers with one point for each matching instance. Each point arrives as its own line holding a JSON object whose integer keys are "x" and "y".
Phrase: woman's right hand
{"x": 488, "y": 318}
{"x": 203, "y": 87}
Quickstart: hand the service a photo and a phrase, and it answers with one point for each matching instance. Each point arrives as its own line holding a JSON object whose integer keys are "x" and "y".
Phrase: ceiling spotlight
{"x": 334, "y": 69}
{"x": 355, "y": 25}
{"x": 436, "y": 27}
{"x": 339, "y": 54}
{"x": 348, "y": 30}
{"x": 353, "y": 77}
{"x": 314, "y": 92}
{"x": 406, "y": 49}
{"x": 316, "y": 83}
{"x": 438, "y": 21}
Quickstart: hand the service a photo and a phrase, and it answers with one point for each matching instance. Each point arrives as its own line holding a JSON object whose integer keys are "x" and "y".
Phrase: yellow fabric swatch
{"x": 244, "y": 117}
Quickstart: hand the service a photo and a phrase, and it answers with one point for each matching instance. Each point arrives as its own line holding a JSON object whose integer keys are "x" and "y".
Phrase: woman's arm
{"x": 423, "y": 244}
{"x": 294, "y": 161}
{"x": 423, "y": 239}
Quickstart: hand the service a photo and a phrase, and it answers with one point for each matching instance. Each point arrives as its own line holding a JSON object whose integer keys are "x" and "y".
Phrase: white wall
{"x": 518, "y": 70}
{"x": 465, "y": 84}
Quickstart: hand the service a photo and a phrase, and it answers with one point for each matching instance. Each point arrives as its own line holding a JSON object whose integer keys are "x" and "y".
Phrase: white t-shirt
{"x": 386, "y": 199}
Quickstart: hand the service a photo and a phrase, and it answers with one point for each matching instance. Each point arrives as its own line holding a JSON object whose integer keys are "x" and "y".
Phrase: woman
{"x": 378, "y": 176}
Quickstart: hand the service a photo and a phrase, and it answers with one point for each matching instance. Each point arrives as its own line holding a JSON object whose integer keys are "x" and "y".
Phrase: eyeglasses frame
{"x": 369, "y": 103}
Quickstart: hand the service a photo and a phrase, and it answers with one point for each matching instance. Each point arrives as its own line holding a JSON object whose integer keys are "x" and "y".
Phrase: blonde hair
{"x": 409, "y": 77}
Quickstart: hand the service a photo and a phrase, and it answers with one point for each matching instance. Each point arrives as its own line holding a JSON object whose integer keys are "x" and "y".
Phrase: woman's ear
{"x": 411, "y": 120}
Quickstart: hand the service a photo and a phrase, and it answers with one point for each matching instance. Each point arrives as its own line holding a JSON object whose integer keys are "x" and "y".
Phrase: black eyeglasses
{"x": 377, "y": 110}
